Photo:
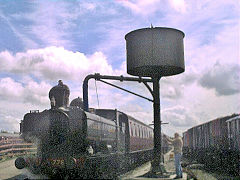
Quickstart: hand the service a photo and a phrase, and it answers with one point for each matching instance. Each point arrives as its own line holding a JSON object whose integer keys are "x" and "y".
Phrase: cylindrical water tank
{"x": 155, "y": 52}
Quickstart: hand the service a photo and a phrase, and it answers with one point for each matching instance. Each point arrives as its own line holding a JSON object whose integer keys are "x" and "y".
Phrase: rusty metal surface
{"x": 155, "y": 52}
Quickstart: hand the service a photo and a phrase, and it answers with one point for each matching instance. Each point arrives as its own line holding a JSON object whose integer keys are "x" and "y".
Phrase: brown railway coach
{"x": 217, "y": 140}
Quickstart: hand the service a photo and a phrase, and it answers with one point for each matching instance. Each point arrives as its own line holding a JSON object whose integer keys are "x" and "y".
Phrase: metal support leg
{"x": 157, "y": 164}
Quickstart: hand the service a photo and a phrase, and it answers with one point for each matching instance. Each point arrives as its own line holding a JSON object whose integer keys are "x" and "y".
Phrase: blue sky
{"x": 44, "y": 41}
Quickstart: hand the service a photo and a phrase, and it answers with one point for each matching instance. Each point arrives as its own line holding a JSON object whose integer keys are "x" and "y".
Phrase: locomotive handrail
{"x": 121, "y": 78}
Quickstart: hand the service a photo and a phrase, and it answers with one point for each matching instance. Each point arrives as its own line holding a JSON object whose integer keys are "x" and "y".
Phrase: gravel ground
{"x": 10, "y": 172}
{"x": 138, "y": 172}
{"x": 197, "y": 170}
{"x": 201, "y": 175}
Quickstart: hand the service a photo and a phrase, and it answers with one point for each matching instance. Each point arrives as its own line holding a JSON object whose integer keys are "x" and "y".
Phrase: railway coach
{"x": 233, "y": 125}
{"x": 217, "y": 140}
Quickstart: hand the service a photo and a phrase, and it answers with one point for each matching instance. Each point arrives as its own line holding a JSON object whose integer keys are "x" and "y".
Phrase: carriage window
{"x": 123, "y": 127}
{"x": 135, "y": 130}
{"x": 135, "y": 127}
{"x": 139, "y": 131}
{"x": 131, "y": 129}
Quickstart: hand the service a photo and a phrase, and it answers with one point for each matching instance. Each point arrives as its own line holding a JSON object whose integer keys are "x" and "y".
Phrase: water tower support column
{"x": 156, "y": 165}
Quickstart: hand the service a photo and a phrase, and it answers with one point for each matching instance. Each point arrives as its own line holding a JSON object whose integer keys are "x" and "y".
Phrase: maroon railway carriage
{"x": 210, "y": 134}
{"x": 216, "y": 140}
{"x": 233, "y": 125}
{"x": 141, "y": 135}
{"x": 136, "y": 135}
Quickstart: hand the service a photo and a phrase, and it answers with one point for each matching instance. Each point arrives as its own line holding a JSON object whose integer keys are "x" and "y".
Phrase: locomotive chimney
{"x": 59, "y": 95}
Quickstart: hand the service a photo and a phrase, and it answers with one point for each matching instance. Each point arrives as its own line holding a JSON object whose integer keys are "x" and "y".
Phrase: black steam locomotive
{"x": 73, "y": 142}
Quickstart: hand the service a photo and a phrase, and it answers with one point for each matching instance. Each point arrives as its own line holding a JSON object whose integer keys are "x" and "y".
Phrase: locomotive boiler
{"x": 73, "y": 142}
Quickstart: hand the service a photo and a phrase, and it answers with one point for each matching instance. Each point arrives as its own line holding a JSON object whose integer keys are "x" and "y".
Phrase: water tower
{"x": 155, "y": 52}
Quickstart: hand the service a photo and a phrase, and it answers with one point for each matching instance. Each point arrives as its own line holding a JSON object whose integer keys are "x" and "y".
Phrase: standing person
{"x": 177, "y": 145}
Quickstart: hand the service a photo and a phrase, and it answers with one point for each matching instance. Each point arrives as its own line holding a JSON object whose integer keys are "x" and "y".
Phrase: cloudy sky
{"x": 47, "y": 40}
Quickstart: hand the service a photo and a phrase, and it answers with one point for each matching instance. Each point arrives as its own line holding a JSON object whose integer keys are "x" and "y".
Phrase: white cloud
{"x": 223, "y": 47}
{"x": 36, "y": 93}
{"x": 179, "y": 116}
{"x": 224, "y": 79}
{"x": 178, "y": 5}
{"x": 173, "y": 88}
{"x": 31, "y": 92}
{"x": 9, "y": 123}
{"x": 10, "y": 89}
{"x": 149, "y": 7}
{"x": 12, "y": 112}
{"x": 143, "y": 7}
{"x": 53, "y": 63}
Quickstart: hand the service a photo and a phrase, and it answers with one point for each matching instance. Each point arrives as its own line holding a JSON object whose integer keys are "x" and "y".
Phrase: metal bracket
{"x": 121, "y": 78}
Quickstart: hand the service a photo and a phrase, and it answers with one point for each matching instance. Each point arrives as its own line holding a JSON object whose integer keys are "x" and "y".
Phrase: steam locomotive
{"x": 73, "y": 142}
{"x": 218, "y": 140}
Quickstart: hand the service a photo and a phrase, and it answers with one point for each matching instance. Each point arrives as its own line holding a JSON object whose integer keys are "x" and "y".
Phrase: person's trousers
{"x": 178, "y": 166}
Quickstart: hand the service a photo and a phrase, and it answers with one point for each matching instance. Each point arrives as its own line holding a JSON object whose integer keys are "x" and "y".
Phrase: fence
{"x": 14, "y": 146}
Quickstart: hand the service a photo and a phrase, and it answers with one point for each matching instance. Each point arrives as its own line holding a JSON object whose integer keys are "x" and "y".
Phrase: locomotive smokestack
{"x": 59, "y": 95}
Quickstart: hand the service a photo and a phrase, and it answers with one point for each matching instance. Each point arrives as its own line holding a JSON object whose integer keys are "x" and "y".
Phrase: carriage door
{"x": 122, "y": 132}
